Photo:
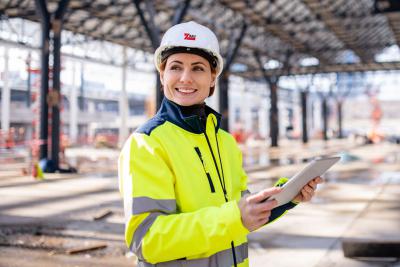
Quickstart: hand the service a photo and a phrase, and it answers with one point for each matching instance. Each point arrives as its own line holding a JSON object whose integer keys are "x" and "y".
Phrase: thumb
{"x": 264, "y": 194}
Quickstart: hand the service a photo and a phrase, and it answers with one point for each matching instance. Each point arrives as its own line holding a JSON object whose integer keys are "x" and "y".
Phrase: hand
{"x": 254, "y": 212}
{"x": 308, "y": 191}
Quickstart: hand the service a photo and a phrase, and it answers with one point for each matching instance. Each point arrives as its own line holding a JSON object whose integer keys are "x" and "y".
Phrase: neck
{"x": 196, "y": 109}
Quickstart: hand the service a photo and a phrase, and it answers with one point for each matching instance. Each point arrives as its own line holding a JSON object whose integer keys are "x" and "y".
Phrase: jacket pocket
{"x": 210, "y": 182}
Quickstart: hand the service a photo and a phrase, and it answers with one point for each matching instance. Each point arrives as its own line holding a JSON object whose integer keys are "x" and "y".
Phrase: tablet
{"x": 292, "y": 187}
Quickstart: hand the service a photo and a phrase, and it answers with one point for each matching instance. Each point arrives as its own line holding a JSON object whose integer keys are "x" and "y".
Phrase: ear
{"x": 162, "y": 77}
{"x": 213, "y": 79}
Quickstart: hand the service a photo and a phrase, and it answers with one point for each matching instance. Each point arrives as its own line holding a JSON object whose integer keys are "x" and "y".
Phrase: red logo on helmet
{"x": 189, "y": 36}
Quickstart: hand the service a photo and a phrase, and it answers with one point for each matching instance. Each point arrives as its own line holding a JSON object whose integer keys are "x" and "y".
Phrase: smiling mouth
{"x": 186, "y": 90}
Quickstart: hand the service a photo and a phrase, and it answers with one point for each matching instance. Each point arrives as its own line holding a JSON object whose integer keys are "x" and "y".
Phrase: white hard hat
{"x": 185, "y": 36}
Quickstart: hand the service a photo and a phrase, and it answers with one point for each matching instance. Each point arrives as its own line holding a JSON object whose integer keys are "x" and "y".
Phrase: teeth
{"x": 184, "y": 90}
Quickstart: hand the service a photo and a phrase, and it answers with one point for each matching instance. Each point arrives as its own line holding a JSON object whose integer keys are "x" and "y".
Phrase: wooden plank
{"x": 86, "y": 248}
{"x": 101, "y": 215}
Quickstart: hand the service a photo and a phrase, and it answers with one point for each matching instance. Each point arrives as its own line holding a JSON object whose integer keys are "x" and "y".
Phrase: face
{"x": 187, "y": 79}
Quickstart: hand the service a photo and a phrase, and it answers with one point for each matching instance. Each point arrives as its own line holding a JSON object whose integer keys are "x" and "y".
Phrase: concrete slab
{"x": 63, "y": 206}
{"x": 358, "y": 199}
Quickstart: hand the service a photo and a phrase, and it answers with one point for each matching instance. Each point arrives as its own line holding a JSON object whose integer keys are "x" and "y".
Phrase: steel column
{"x": 223, "y": 85}
{"x": 273, "y": 96}
{"x": 181, "y": 12}
{"x": 235, "y": 44}
{"x": 5, "y": 95}
{"x": 324, "y": 119}
{"x": 81, "y": 98}
{"x": 340, "y": 119}
{"x": 28, "y": 80}
{"x": 151, "y": 30}
{"x": 123, "y": 102}
{"x": 73, "y": 106}
{"x": 224, "y": 78}
{"x": 56, "y": 97}
{"x": 304, "y": 96}
{"x": 154, "y": 34}
{"x": 274, "y": 114}
{"x": 44, "y": 16}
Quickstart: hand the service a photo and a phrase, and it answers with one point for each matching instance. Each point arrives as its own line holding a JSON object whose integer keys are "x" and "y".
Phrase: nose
{"x": 186, "y": 76}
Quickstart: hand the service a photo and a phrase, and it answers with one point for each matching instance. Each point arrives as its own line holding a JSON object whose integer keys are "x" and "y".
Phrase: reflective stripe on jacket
{"x": 181, "y": 186}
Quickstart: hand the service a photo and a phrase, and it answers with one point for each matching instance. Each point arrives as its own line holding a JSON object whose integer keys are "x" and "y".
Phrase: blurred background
{"x": 302, "y": 79}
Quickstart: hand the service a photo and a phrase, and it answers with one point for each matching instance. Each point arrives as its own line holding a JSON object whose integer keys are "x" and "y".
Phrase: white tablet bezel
{"x": 291, "y": 188}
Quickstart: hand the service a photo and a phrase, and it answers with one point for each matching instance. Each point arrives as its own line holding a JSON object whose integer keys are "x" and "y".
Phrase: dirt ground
{"x": 55, "y": 222}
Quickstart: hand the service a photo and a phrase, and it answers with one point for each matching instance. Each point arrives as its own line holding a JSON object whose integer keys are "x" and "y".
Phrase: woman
{"x": 185, "y": 194}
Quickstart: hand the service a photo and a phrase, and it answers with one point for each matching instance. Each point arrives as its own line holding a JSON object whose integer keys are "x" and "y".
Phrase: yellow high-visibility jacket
{"x": 181, "y": 186}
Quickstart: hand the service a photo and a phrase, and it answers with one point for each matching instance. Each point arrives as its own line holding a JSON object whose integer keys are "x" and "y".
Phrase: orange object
{"x": 34, "y": 170}
{"x": 10, "y": 143}
{"x": 37, "y": 172}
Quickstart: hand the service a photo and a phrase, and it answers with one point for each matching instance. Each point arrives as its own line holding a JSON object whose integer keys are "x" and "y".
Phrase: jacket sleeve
{"x": 278, "y": 212}
{"x": 155, "y": 229}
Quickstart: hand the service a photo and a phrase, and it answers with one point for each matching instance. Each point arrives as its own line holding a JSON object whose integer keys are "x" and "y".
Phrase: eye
{"x": 175, "y": 67}
{"x": 198, "y": 68}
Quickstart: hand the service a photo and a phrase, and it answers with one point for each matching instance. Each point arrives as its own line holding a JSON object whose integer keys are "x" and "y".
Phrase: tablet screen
{"x": 315, "y": 168}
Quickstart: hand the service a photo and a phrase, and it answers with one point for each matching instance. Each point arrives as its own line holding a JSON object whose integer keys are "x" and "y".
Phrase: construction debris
{"x": 101, "y": 215}
{"x": 86, "y": 248}
{"x": 353, "y": 248}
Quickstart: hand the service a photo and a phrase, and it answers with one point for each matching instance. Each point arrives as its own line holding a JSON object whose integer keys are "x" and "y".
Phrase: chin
{"x": 185, "y": 103}
{"x": 188, "y": 102}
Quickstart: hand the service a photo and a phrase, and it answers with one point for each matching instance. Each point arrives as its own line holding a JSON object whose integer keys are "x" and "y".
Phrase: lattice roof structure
{"x": 344, "y": 35}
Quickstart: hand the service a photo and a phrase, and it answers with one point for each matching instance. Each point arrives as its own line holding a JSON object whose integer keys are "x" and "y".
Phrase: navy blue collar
{"x": 171, "y": 112}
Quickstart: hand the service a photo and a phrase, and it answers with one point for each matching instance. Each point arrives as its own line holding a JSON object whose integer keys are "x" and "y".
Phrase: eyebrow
{"x": 194, "y": 63}
{"x": 176, "y": 61}
{"x": 198, "y": 62}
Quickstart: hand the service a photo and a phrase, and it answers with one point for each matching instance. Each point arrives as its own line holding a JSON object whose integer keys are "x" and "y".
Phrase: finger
{"x": 262, "y": 217}
{"x": 318, "y": 180}
{"x": 298, "y": 198}
{"x": 307, "y": 195}
{"x": 262, "y": 207}
{"x": 313, "y": 184}
{"x": 266, "y": 206}
{"x": 265, "y": 214}
{"x": 304, "y": 196}
{"x": 263, "y": 220}
{"x": 308, "y": 188}
{"x": 264, "y": 194}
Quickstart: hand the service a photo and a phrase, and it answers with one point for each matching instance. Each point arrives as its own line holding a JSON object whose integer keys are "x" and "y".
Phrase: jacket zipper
{"x": 222, "y": 182}
{"x": 204, "y": 167}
